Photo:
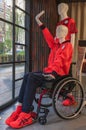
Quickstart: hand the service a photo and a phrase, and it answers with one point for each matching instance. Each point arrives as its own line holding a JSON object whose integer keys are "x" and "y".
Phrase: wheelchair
{"x": 54, "y": 93}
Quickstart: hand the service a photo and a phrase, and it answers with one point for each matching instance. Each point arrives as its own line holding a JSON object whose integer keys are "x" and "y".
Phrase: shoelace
{"x": 14, "y": 115}
{"x": 21, "y": 118}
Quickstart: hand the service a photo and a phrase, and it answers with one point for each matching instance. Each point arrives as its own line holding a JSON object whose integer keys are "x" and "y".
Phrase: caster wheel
{"x": 42, "y": 120}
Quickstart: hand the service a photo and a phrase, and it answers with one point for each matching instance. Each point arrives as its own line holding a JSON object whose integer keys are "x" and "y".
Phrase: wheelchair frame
{"x": 42, "y": 108}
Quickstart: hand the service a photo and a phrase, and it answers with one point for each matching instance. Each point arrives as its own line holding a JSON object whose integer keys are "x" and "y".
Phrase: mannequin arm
{"x": 47, "y": 35}
{"x": 73, "y": 39}
{"x": 37, "y": 18}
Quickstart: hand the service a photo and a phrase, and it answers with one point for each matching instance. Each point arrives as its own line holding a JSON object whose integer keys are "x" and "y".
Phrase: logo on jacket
{"x": 63, "y": 47}
{"x": 66, "y": 21}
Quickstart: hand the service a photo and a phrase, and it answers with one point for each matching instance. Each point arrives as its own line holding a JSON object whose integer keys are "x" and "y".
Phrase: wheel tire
{"x": 57, "y": 99}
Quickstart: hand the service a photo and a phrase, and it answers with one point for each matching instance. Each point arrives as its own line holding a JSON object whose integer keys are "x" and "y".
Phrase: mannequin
{"x": 69, "y": 22}
{"x": 60, "y": 37}
{"x": 62, "y": 10}
{"x": 61, "y": 33}
{"x": 37, "y": 18}
{"x": 64, "y": 20}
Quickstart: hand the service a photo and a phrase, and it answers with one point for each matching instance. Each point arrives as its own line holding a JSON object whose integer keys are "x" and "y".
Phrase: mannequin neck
{"x": 63, "y": 16}
{"x": 61, "y": 40}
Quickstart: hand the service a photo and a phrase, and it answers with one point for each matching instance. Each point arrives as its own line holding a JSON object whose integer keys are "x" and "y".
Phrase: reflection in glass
{"x": 19, "y": 70}
{"x": 6, "y": 9}
{"x": 21, "y": 4}
{"x": 19, "y": 53}
{"x": 17, "y": 87}
{"x": 20, "y": 35}
{"x": 5, "y": 83}
{"x": 20, "y": 17}
{"x": 5, "y": 42}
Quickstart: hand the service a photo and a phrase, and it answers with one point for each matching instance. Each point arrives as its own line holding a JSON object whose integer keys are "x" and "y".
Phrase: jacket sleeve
{"x": 72, "y": 26}
{"x": 47, "y": 36}
{"x": 62, "y": 61}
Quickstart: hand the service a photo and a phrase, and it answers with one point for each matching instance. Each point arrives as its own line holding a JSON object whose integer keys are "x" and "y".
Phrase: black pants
{"x": 31, "y": 82}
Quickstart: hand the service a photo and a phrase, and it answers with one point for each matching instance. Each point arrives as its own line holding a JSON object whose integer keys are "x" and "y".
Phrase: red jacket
{"x": 60, "y": 56}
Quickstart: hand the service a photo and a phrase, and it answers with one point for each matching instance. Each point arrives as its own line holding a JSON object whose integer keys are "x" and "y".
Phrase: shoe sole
{"x": 24, "y": 125}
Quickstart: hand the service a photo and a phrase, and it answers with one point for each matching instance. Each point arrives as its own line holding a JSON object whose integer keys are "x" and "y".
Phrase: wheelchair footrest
{"x": 44, "y": 110}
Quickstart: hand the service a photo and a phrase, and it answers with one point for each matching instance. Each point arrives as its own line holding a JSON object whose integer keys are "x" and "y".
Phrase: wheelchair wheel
{"x": 46, "y": 99}
{"x": 64, "y": 88}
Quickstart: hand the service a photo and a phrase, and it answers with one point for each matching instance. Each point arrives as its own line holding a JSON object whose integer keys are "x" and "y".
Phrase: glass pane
{"x": 6, "y": 9}
{"x": 19, "y": 53}
{"x": 20, "y": 18}
{"x": 21, "y": 4}
{"x": 19, "y": 70}
{"x": 17, "y": 87}
{"x": 5, "y": 83}
{"x": 5, "y": 42}
{"x": 20, "y": 35}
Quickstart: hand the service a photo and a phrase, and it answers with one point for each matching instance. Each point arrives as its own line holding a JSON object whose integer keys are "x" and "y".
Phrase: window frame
{"x": 26, "y": 45}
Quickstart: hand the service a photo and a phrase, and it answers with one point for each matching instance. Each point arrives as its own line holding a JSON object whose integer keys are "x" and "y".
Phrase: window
{"x": 13, "y": 52}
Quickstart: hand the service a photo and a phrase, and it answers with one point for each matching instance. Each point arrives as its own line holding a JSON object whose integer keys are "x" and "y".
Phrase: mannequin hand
{"x": 37, "y": 18}
{"x": 39, "y": 14}
{"x": 48, "y": 76}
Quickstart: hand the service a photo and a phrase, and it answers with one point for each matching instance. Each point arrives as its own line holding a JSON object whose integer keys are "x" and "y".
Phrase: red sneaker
{"x": 24, "y": 119}
{"x": 13, "y": 116}
{"x": 69, "y": 101}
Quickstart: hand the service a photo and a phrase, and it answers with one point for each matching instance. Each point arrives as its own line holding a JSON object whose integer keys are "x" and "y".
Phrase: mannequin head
{"x": 62, "y": 8}
{"x": 61, "y": 31}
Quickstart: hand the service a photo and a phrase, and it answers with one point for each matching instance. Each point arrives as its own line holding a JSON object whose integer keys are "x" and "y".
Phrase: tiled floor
{"x": 54, "y": 122}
